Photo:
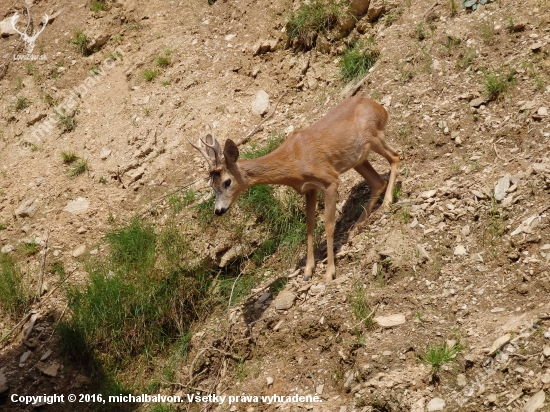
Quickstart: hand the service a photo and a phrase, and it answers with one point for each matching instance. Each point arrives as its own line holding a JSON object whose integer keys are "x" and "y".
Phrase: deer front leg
{"x": 331, "y": 194}
{"x": 311, "y": 202}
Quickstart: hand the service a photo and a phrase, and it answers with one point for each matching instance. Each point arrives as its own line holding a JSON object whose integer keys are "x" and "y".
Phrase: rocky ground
{"x": 461, "y": 262}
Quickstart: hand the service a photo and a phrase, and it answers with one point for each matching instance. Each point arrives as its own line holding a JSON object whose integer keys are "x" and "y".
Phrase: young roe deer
{"x": 310, "y": 160}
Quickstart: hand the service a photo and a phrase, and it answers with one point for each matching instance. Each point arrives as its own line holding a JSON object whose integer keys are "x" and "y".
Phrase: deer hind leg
{"x": 377, "y": 186}
{"x": 382, "y": 148}
{"x": 331, "y": 194}
{"x": 311, "y": 203}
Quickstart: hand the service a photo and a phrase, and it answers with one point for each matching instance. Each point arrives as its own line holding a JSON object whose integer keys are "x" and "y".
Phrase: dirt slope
{"x": 463, "y": 256}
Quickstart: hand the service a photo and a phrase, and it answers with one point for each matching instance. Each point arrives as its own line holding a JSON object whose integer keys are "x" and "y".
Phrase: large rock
{"x": 77, "y": 206}
{"x": 6, "y": 28}
{"x": 391, "y": 320}
{"x": 376, "y": 8}
{"x": 284, "y": 300}
{"x": 535, "y": 402}
{"x": 260, "y": 103}
{"x": 359, "y": 7}
{"x": 26, "y": 208}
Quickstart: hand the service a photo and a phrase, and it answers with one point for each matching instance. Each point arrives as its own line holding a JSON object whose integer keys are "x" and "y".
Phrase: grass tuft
{"x": 358, "y": 59}
{"x": 69, "y": 157}
{"x": 150, "y": 74}
{"x": 80, "y": 40}
{"x": 497, "y": 83}
{"x": 438, "y": 355}
{"x": 312, "y": 18}
{"x": 78, "y": 167}
{"x": 21, "y": 103}
{"x": 360, "y": 306}
{"x": 14, "y": 297}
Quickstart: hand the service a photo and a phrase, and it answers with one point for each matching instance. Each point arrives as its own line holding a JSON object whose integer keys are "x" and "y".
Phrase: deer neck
{"x": 276, "y": 168}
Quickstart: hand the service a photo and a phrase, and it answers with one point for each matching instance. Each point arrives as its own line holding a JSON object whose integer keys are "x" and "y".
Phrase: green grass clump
{"x": 98, "y": 5}
{"x": 438, "y": 355}
{"x": 66, "y": 122}
{"x": 78, "y": 167}
{"x": 30, "y": 247}
{"x": 150, "y": 74}
{"x": 178, "y": 201}
{"x": 357, "y": 60}
{"x": 312, "y": 18}
{"x": 14, "y": 297}
{"x": 497, "y": 83}
{"x": 140, "y": 298}
{"x": 80, "y": 40}
{"x": 164, "y": 60}
{"x": 21, "y": 103}
{"x": 3, "y": 226}
{"x": 68, "y": 157}
{"x": 360, "y": 306}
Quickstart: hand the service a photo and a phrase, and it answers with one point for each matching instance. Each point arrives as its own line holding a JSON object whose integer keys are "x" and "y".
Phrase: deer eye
{"x": 227, "y": 183}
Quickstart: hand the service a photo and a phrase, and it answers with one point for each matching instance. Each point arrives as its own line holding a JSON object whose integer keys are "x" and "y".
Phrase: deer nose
{"x": 221, "y": 211}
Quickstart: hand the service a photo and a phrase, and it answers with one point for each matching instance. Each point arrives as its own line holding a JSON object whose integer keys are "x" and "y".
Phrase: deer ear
{"x": 231, "y": 151}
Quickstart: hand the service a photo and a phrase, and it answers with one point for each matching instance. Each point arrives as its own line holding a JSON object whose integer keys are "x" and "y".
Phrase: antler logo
{"x": 29, "y": 40}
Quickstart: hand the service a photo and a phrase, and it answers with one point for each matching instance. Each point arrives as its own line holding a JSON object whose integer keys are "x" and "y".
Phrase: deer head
{"x": 225, "y": 176}
{"x": 29, "y": 40}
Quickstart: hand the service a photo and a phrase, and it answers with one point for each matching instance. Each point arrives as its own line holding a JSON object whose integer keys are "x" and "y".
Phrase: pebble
{"x": 269, "y": 381}
{"x": 26, "y": 208}
{"x": 315, "y": 289}
{"x": 436, "y": 404}
{"x": 500, "y": 342}
{"x": 546, "y": 351}
{"x": 492, "y": 398}
{"x": 319, "y": 389}
{"x": 104, "y": 154}
{"x": 50, "y": 370}
{"x": 543, "y": 111}
{"x": 461, "y": 380}
{"x": 46, "y": 355}
{"x": 24, "y": 357}
{"x": 264, "y": 297}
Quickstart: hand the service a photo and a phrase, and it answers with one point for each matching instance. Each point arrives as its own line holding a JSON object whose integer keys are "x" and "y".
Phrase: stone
{"x": 264, "y": 297}
{"x": 423, "y": 253}
{"x": 543, "y": 111}
{"x": 535, "y": 402}
{"x": 269, "y": 381}
{"x": 284, "y": 300}
{"x": 315, "y": 289}
{"x": 478, "y": 102}
{"x": 26, "y": 208}
{"x": 427, "y": 194}
{"x": 260, "y": 103}
{"x": 236, "y": 252}
{"x": 105, "y": 153}
{"x": 359, "y": 7}
{"x": 461, "y": 380}
{"x": 50, "y": 370}
{"x": 376, "y": 8}
{"x": 492, "y": 398}
{"x": 6, "y": 28}
{"x": 391, "y": 320}
{"x": 527, "y": 225}
{"x": 3, "y": 383}
{"x": 535, "y": 47}
{"x": 502, "y": 187}
{"x": 460, "y": 250}
{"x": 40, "y": 181}
{"x": 79, "y": 251}
{"x": 546, "y": 351}
{"x": 46, "y": 355}
{"x": 77, "y": 206}
{"x": 98, "y": 41}
{"x": 436, "y": 404}
{"x": 500, "y": 342}
{"x": 6, "y": 248}
{"x": 319, "y": 389}
{"x": 24, "y": 357}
